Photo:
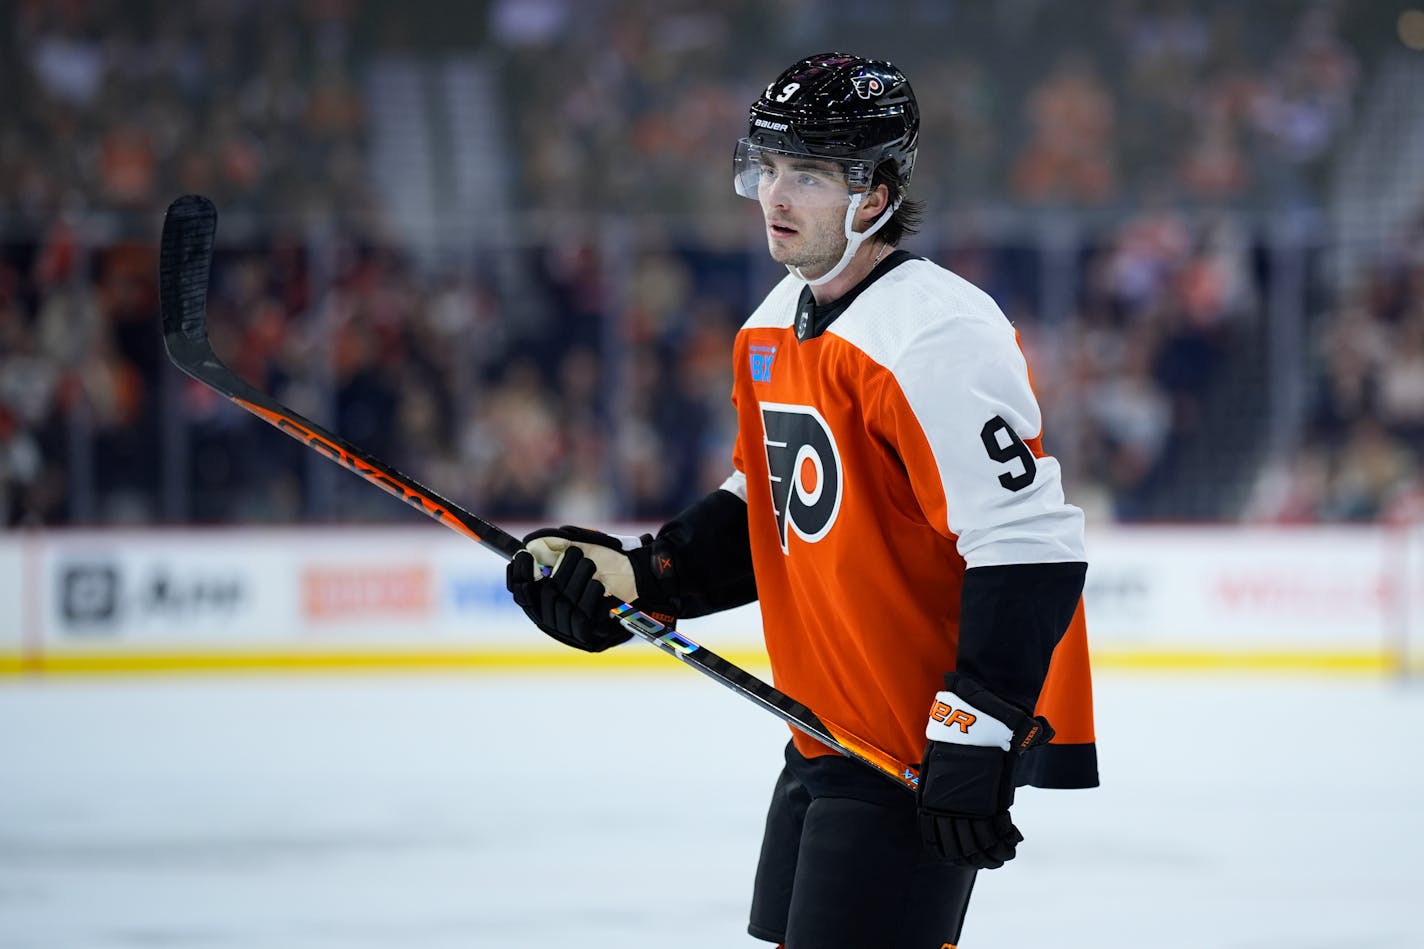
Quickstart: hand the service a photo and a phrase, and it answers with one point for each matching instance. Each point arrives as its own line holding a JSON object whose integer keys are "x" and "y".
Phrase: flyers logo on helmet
{"x": 805, "y": 471}
{"x": 867, "y": 87}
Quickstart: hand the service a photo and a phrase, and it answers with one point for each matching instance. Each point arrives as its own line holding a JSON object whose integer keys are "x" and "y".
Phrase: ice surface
{"x": 587, "y": 811}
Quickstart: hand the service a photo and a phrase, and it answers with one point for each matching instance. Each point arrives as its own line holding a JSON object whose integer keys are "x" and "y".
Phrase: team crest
{"x": 867, "y": 86}
{"x": 804, "y": 467}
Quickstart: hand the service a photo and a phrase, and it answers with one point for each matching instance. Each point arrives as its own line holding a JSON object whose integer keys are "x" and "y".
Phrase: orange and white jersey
{"x": 881, "y": 457}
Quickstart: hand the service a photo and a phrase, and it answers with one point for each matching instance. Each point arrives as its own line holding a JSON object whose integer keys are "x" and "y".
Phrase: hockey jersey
{"x": 881, "y": 455}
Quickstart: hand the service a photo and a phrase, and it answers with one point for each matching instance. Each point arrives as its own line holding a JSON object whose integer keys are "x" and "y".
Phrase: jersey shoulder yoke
{"x": 923, "y": 305}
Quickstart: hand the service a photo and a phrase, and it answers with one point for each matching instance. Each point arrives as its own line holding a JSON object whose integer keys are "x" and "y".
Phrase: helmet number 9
{"x": 1014, "y": 451}
{"x": 787, "y": 91}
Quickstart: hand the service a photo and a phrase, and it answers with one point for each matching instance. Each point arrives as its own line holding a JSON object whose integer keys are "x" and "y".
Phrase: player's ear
{"x": 876, "y": 200}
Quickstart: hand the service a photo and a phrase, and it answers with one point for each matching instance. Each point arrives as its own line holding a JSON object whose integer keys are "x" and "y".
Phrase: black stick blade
{"x": 185, "y": 261}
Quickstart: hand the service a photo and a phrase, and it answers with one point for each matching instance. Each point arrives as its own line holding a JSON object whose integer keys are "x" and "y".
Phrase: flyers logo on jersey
{"x": 805, "y": 470}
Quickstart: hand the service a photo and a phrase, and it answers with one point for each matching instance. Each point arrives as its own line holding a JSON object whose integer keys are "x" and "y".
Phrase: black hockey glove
{"x": 592, "y": 574}
{"x": 967, "y": 777}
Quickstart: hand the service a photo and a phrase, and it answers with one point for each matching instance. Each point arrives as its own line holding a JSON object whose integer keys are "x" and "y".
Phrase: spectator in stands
{"x": 1132, "y": 420}
{"x": 1368, "y": 470}
{"x": 1069, "y": 155}
{"x": 1307, "y": 102}
{"x": 1401, "y": 382}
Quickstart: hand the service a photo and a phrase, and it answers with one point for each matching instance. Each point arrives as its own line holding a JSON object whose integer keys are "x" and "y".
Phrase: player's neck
{"x": 866, "y": 257}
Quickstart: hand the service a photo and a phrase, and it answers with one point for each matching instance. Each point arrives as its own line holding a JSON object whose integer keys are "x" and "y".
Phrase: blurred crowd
{"x": 1104, "y": 104}
{"x": 1152, "y": 141}
{"x": 1361, "y": 455}
{"x": 110, "y": 109}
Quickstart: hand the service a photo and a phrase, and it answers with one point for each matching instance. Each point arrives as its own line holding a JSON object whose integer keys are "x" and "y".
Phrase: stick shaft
{"x": 185, "y": 264}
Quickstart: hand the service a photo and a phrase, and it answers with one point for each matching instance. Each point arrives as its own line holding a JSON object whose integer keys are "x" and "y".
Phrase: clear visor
{"x": 799, "y": 180}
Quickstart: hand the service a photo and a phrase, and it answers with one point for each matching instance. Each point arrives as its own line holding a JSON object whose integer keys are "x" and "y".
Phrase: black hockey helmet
{"x": 836, "y": 106}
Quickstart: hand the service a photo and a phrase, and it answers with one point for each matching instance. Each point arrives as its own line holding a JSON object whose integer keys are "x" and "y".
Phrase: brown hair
{"x": 907, "y": 217}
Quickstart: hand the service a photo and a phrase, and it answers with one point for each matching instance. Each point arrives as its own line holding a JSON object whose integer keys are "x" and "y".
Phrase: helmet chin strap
{"x": 854, "y": 239}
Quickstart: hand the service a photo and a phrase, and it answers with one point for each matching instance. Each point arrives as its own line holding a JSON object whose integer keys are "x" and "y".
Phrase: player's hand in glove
{"x": 591, "y": 574}
{"x": 967, "y": 777}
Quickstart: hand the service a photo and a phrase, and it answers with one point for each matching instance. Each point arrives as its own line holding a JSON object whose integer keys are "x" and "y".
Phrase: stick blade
{"x": 185, "y": 261}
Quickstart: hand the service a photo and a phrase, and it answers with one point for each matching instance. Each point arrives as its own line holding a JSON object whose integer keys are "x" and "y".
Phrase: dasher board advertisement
{"x": 1353, "y": 594}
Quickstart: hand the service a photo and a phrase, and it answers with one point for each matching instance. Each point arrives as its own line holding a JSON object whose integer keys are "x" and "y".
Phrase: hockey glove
{"x": 609, "y": 553}
{"x": 591, "y": 574}
{"x": 967, "y": 777}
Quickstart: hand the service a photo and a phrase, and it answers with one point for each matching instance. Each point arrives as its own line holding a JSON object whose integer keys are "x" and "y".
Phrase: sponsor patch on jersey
{"x": 762, "y": 356}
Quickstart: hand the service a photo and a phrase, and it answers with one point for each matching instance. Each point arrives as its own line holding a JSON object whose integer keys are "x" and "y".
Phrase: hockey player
{"x": 892, "y": 507}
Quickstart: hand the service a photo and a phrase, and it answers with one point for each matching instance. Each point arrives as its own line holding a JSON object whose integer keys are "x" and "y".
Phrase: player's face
{"x": 804, "y": 203}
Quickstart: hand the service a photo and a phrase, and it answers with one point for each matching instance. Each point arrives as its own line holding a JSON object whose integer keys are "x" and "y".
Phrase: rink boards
{"x": 1327, "y": 598}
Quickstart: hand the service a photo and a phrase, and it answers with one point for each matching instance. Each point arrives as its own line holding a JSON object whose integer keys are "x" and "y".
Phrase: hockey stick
{"x": 184, "y": 266}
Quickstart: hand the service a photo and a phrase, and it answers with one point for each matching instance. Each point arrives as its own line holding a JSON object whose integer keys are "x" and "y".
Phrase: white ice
{"x": 588, "y": 811}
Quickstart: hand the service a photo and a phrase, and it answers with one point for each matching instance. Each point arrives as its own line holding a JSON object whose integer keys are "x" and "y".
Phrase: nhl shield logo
{"x": 867, "y": 86}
